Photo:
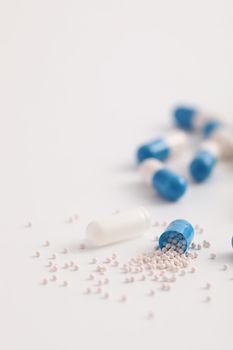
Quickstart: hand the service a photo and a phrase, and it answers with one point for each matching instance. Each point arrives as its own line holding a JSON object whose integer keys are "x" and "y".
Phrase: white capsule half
{"x": 118, "y": 227}
{"x": 212, "y": 147}
{"x": 177, "y": 141}
{"x": 224, "y": 138}
{"x": 148, "y": 168}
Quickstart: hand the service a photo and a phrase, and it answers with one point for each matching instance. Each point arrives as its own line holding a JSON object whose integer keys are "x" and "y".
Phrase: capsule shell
{"x": 184, "y": 117}
{"x": 210, "y": 127}
{"x": 164, "y": 147}
{"x": 202, "y": 165}
{"x": 158, "y": 149}
{"x": 169, "y": 184}
{"x": 179, "y": 230}
{"x": 119, "y": 227}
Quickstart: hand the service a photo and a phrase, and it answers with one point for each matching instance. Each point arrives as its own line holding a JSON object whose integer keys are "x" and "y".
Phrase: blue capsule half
{"x": 177, "y": 231}
{"x": 169, "y": 184}
{"x": 184, "y": 117}
{"x": 157, "y": 149}
{"x": 202, "y": 166}
{"x": 210, "y": 127}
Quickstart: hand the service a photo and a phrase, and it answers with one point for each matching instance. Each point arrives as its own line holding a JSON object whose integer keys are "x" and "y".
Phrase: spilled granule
{"x": 161, "y": 268}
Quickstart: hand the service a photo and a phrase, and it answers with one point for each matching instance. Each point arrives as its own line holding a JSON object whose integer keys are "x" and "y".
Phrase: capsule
{"x": 204, "y": 162}
{"x": 224, "y": 139}
{"x": 118, "y": 227}
{"x": 179, "y": 234}
{"x": 168, "y": 184}
{"x": 191, "y": 119}
{"x": 162, "y": 148}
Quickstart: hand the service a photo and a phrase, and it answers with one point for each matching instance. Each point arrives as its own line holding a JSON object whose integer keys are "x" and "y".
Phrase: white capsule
{"x": 120, "y": 227}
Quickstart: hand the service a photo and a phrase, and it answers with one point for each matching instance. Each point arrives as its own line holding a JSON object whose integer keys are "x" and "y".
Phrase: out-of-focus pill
{"x": 162, "y": 148}
{"x": 204, "y": 161}
{"x": 166, "y": 182}
{"x": 119, "y": 227}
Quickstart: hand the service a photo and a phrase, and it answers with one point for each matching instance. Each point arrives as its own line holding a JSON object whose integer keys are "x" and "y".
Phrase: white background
{"x": 82, "y": 83}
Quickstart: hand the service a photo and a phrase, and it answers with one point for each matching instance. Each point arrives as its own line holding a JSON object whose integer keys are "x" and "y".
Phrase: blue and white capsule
{"x": 191, "y": 119}
{"x": 204, "y": 162}
{"x": 164, "y": 147}
{"x": 168, "y": 184}
{"x": 178, "y": 235}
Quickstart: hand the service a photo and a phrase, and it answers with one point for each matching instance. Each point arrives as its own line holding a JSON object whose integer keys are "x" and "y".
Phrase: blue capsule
{"x": 169, "y": 184}
{"x": 202, "y": 165}
{"x": 162, "y": 148}
{"x": 209, "y": 127}
{"x": 158, "y": 149}
{"x": 179, "y": 233}
{"x": 185, "y": 117}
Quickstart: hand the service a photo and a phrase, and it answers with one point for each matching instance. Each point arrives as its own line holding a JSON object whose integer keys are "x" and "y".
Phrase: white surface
{"x": 82, "y": 84}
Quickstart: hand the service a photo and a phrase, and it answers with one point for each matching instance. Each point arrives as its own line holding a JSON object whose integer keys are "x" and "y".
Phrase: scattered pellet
{"x": 206, "y": 244}
{"x": 75, "y": 268}
{"x": 150, "y": 315}
{"x": 53, "y": 278}
{"x": 82, "y": 246}
{"x": 156, "y": 223}
{"x": 53, "y": 269}
{"x": 91, "y": 277}
{"x": 105, "y": 296}
{"x": 93, "y": 261}
{"x": 207, "y": 286}
{"x": 192, "y": 270}
{"x": 64, "y": 251}
{"x": 142, "y": 278}
{"x": 87, "y": 291}
{"x": 213, "y": 256}
{"x": 46, "y": 244}
{"x": 53, "y": 257}
{"x": 123, "y": 298}
{"x": 36, "y": 255}
{"x": 76, "y": 216}
{"x": 49, "y": 264}
{"x": 64, "y": 284}
{"x": 44, "y": 282}
{"x": 207, "y": 299}
{"x": 225, "y": 267}
{"x": 65, "y": 266}
{"x": 151, "y": 293}
{"x": 69, "y": 220}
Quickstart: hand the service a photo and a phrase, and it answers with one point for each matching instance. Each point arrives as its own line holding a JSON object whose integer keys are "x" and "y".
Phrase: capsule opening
{"x": 173, "y": 240}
